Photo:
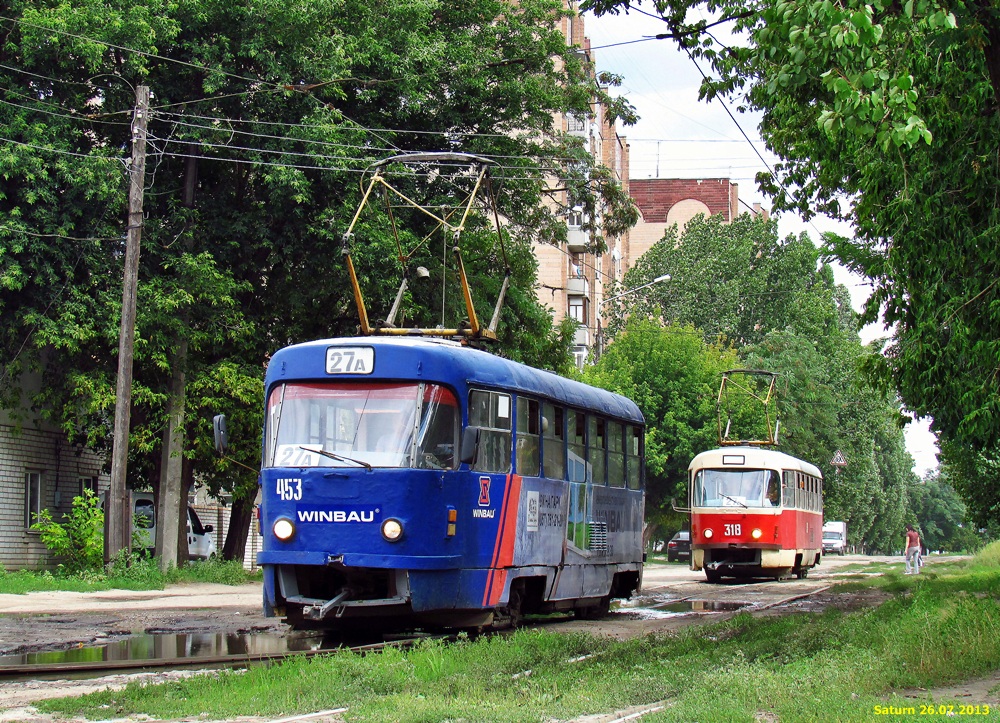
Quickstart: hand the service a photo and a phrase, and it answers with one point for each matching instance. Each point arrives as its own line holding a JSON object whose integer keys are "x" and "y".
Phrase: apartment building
{"x": 572, "y": 280}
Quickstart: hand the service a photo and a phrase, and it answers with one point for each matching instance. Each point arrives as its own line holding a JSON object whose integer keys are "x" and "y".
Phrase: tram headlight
{"x": 708, "y": 533}
{"x": 392, "y": 530}
{"x": 756, "y": 533}
{"x": 283, "y": 529}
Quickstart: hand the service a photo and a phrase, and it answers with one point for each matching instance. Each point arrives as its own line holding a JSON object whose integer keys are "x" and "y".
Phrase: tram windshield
{"x": 326, "y": 424}
{"x": 736, "y": 488}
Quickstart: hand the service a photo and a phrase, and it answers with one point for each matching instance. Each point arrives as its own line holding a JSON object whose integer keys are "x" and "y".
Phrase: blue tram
{"x": 417, "y": 482}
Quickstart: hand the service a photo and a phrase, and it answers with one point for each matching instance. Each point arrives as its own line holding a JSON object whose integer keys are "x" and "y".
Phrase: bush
{"x": 78, "y": 541}
{"x": 989, "y": 556}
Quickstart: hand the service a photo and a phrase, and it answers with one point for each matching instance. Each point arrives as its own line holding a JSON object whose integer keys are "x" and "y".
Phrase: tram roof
{"x": 752, "y": 457}
{"x": 428, "y": 359}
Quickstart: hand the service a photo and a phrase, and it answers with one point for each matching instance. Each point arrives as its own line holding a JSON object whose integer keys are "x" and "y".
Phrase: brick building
{"x": 39, "y": 469}
{"x": 666, "y": 201}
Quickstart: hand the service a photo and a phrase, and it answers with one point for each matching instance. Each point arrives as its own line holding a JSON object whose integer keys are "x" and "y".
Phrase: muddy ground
{"x": 62, "y": 620}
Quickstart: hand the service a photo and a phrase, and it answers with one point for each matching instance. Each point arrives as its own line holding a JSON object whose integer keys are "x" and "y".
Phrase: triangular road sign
{"x": 838, "y": 459}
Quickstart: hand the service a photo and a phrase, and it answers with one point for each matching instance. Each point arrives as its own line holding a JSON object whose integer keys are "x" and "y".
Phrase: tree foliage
{"x": 776, "y": 305}
{"x": 77, "y": 541}
{"x": 264, "y": 116}
{"x": 942, "y": 516}
{"x": 886, "y": 115}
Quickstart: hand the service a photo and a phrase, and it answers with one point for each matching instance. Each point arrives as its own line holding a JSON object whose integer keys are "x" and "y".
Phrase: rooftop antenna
{"x": 474, "y": 168}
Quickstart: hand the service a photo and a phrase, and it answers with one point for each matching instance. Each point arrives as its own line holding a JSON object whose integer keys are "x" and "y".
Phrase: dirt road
{"x": 61, "y": 620}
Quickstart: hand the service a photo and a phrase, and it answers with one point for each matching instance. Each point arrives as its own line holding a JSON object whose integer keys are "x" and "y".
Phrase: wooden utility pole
{"x": 118, "y": 512}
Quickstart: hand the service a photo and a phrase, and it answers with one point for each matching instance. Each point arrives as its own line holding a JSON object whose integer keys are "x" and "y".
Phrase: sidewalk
{"x": 190, "y": 596}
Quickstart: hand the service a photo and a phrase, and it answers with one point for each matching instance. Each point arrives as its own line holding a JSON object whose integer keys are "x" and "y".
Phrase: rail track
{"x": 100, "y": 668}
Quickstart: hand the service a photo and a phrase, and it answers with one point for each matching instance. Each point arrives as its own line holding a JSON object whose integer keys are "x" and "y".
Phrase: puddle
{"x": 658, "y": 607}
{"x": 700, "y": 606}
{"x": 164, "y": 646}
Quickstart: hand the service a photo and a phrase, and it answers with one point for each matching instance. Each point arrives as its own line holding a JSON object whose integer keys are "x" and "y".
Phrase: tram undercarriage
{"x": 741, "y": 562}
{"x": 340, "y": 598}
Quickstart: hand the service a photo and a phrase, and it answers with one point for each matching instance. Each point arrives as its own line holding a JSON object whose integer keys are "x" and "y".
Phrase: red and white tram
{"x": 754, "y": 513}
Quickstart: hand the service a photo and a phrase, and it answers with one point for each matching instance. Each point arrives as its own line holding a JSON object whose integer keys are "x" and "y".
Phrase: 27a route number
{"x": 350, "y": 360}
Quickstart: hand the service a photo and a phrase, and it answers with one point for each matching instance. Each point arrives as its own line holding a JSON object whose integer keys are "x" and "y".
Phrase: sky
{"x": 679, "y": 136}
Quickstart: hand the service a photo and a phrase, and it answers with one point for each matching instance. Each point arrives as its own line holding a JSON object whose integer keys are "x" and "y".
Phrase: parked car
{"x": 679, "y": 546}
{"x": 201, "y": 545}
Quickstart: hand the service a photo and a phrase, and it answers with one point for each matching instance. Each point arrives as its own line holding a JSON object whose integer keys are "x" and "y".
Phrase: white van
{"x": 834, "y": 538}
{"x": 201, "y": 545}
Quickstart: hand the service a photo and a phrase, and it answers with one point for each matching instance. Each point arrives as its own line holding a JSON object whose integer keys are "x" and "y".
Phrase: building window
{"x": 575, "y": 123}
{"x": 574, "y": 217}
{"x": 577, "y": 309}
{"x": 32, "y": 497}
{"x": 89, "y": 483}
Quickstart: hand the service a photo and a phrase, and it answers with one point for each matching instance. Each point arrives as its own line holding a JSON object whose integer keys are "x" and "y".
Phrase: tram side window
{"x": 773, "y": 498}
{"x": 596, "y": 451}
{"x": 788, "y": 489}
{"x": 633, "y": 461}
{"x": 490, "y": 411}
{"x": 527, "y": 437}
{"x": 616, "y": 454}
{"x": 576, "y": 428}
{"x": 553, "y": 442}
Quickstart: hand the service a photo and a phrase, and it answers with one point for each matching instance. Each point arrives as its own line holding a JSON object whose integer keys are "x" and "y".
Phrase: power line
{"x": 61, "y": 152}
{"x": 143, "y": 53}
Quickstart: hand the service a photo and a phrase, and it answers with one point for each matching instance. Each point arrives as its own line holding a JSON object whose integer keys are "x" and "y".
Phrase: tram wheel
{"x": 595, "y": 612}
{"x": 802, "y": 573}
{"x": 514, "y": 604}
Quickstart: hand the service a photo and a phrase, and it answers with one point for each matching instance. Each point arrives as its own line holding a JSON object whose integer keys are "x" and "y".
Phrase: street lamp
{"x": 658, "y": 279}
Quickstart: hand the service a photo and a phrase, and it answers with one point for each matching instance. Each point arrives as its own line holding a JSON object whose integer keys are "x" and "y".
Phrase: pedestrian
{"x": 912, "y": 551}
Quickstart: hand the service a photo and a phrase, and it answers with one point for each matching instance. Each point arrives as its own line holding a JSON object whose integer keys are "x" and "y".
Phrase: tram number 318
{"x": 733, "y": 530}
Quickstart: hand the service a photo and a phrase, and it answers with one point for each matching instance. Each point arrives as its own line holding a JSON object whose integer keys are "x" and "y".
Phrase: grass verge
{"x": 937, "y": 628}
{"x": 138, "y": 574}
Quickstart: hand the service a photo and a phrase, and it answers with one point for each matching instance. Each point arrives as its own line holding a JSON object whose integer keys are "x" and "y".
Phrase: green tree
{"x": 776, "y": 302}
{"x": 265, "y": 114}
{"x": 976, "y": 476}
{"x": 886, "y": 115}
{"x": 737, "y": 281}
{"x": 941, "y": 515}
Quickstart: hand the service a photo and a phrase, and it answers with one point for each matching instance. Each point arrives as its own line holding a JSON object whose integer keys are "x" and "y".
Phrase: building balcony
{"x": 578, "y": 287}
{"x": 576, "y": 239}
{"x": 581, "y": 337}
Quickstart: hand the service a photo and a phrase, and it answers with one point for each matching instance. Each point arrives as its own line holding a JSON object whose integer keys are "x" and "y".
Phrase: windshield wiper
{"x": 338, "y": 457}
{"x": 734, "y": 500}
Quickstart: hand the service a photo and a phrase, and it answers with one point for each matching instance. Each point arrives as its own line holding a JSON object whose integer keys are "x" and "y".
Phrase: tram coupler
{"x": 318, "y": 612}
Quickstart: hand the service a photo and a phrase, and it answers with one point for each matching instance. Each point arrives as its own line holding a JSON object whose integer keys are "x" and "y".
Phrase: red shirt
{"x": 912, "y": 539}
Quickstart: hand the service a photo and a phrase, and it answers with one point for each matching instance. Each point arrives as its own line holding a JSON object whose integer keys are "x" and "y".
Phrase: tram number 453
{"x": 733, "y": 530}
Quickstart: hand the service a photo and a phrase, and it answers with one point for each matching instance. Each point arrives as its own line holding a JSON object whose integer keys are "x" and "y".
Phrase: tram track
{"x": 86, "y": 670}
{"x": 101, "y": 668}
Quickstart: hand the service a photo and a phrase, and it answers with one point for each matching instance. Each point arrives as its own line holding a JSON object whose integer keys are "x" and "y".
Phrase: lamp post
{"x": 600, "y": 326}
{"x": 658, "y": 279}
